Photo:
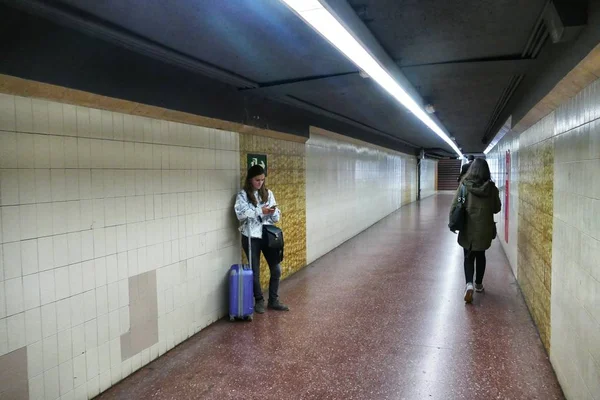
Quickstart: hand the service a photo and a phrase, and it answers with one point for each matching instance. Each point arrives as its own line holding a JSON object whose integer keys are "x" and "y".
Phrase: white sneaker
{"x": 469, "y": 293}
{"x": 479, "y": 287}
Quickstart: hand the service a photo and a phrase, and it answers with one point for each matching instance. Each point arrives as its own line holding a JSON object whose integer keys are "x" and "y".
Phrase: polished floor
{"x": 381, "y": 317}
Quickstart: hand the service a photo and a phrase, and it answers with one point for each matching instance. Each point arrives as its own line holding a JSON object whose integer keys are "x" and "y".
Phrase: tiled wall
{"x": 497, "y": 161}
{"x": 536, "y": 178}
{"x": 575, "y": 341}
{"x": 350, "y": 186}
{"x": 116, "y": 232}
{"x": 286, "y": 178}
{"x": 428, "y": 178}
{"x": 559, "y": 259}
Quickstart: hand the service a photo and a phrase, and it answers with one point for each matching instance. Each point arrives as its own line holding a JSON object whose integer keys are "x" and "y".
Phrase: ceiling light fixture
{"x": 323, "y": 21}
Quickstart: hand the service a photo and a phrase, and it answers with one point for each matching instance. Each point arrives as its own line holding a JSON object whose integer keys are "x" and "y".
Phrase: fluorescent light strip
{"x": 320, "y": 19}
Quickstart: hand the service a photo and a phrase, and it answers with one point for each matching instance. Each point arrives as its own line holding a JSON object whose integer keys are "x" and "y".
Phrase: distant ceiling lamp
{"x": 429, "y": 109}
{"x": 314, "y": 13}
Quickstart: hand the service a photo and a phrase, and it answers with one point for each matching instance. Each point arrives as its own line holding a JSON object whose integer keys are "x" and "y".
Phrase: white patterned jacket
{"x": 250, "y": 215}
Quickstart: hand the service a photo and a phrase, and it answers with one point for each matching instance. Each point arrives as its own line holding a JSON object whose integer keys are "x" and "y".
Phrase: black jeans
{"x": 272, "y": 257}
{"x": 470, "y": 258}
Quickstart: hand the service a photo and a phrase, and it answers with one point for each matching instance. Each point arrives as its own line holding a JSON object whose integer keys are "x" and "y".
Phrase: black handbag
{"x": 273, "y": 236}
{"x": 459, "y": 213}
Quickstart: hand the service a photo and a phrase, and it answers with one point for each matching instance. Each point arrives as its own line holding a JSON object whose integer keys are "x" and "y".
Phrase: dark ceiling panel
{"x": 416, "y": 32}
{"x": 261, "y": 40}
{"x": 364, "y": 101}
{"x": 464, "y": 95}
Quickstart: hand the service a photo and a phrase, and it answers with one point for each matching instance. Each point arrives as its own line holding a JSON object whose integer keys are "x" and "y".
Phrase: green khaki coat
{"x": 483, "y": 201}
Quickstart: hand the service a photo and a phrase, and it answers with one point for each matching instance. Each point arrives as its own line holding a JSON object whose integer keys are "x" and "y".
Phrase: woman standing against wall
{"x": 482, "y": 202}
{"x": 255, "y": 206}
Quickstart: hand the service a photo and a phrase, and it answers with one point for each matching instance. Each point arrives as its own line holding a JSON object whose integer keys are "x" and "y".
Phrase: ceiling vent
{"x": 565, "y": 19}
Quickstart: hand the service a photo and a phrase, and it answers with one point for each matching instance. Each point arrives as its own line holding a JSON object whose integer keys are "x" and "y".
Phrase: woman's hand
{"x": 267, "y": 211}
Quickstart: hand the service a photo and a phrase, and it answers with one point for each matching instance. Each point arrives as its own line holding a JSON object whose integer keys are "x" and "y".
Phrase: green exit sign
{"x": 258, "y": 159}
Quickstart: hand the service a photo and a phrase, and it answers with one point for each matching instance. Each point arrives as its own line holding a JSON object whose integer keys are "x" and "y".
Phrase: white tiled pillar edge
{"x": 575, "y": 302}
{"x": 88, "y": 199}
{"x": 427, "y": 177}
{"x": 349, "y": 187}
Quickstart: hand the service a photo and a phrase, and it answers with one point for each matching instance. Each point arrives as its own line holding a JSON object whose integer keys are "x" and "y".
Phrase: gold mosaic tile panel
{"x": 286, "y": 163}
{"x": 536, "y": 198}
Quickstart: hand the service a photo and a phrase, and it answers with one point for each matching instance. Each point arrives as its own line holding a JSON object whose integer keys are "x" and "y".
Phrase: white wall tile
{"x": 78, "y": 337}
{"x": 66, "y": 377}
{"x": 31, "y": 291}
{"x": 63, "y": 315}
{"x": 103, "y": 330}
{"x": 45, "y": 219}
{"x": 61, "y": 250}
{"x": 9, "y": 186}
{"x": 74, "y": 247}
{"x": 71, "y": 153}
{"x": 13, "y": 289}
{"x": 114, "y": 326}
{"x": 50, "y": 352}
{"x": 7, "y": 112}
{"x": 51, "y": 384}
{"x": 24, "y": 114}
{"x": 36, "y": 388}
{"x": 28, "y": 217}
{"x": 45, "y": 253}
{"x": 71, "y": 184}
{"x": 49, "y": 320}
{"x": 3, "y": 336}
{"x": 79, "y": 370}
{"x": 57, "y": 152}
{"x": 41, "y": 151}
{"x": 88, "y": 269}
{"x": 12, "y": 260}
{"x": 33, "y": 326}
{"x": 95, "y": 123}
{"x": 35, "y": 359}
{"x": 47, "y": 287}
{"x": 83, "y": 121}
{"x": 102, "y": 300}
{"x": 69, "y": 120}
{"x": 29, "y": 256}
{"x": 91, "y": 334}
{"x": 27, "y": 187}
{"x": 89, "y": 301}
{"x": 59, "y": 184}
{"x": 76, "y": 278}
{"x": 62, "y": 284}
{"x": 8, "y": 150}
{"x": 41, "y": 121}
{"x": 60, "y": 217}
{"x": 87, "y": 245}
{"x": 11, "y": 224}
{"x": 65, "y": 346}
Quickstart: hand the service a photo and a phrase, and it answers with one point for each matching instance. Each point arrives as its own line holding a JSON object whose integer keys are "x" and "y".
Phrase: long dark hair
{"x": 479, "y": 172}
{"x": 263, "y": 192}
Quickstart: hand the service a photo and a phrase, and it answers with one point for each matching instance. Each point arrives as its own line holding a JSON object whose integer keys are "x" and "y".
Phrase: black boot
{"x": 277, "y": 305}
{"x": 259, "y": 306}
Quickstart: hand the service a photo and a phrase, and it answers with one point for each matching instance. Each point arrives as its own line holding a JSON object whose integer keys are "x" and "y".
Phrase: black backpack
{"x": 458, "y": 215}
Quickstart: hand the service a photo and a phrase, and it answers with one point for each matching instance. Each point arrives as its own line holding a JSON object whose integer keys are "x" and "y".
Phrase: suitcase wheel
{"x": 249, "y": 318}
{"x": 231, "y": 318}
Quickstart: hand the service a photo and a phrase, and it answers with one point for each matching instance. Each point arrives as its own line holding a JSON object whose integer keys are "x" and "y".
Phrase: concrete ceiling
{"x": 460, "y": 56}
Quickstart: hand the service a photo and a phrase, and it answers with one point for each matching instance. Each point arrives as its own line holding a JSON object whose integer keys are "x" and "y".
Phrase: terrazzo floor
{"x": 380, "y": 317}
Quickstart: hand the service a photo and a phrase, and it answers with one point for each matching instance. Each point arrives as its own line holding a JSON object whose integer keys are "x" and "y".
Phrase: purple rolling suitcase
{"x": 241, "y": 292}
{"x": 241, "y": 288}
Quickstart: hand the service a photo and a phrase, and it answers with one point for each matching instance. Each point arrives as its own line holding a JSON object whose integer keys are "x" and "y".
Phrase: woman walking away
{"x": 255, "y": 206}
{"x": 483, "y": 201}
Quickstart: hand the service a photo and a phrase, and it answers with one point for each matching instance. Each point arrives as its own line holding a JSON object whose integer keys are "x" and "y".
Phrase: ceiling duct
{"x": 565, "y": 19}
